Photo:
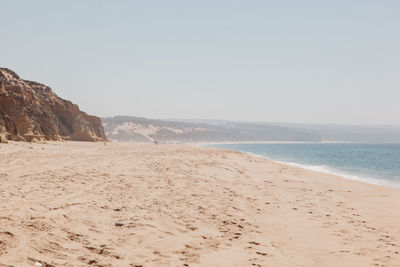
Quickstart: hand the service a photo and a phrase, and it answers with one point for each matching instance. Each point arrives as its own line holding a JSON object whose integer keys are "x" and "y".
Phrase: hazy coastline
{"x": 199, "y": 133}
{"x": 272, "y": 142}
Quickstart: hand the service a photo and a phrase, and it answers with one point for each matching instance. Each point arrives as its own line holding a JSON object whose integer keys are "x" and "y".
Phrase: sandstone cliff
{"x": 31, "y": 111}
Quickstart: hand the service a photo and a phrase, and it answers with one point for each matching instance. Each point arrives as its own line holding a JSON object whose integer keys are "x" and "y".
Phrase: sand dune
{"x": 185, "y": 206}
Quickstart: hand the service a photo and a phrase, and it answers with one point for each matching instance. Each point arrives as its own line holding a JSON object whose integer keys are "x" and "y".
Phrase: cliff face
{"x": 31, "y": 111}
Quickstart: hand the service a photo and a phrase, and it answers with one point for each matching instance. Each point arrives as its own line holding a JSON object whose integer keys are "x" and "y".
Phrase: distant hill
{"x": 350, "y": 133}
{"x": 123, "y": 128}
{"x": 332, "y": 132}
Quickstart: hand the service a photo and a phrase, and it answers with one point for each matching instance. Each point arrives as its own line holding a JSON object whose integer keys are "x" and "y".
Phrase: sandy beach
{"x": 126, "y": 204}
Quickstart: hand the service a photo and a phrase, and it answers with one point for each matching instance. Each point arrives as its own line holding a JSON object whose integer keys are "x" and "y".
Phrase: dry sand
{"x": 185, "y": 206}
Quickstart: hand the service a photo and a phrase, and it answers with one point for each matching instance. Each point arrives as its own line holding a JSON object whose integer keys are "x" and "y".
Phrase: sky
{"x": 275, "y": 61}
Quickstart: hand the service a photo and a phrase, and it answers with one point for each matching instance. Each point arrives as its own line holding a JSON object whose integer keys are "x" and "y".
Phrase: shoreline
{"x": 353, "y": 177}
{"x": 79, "y": 203}
{"x": 362, "y": 179}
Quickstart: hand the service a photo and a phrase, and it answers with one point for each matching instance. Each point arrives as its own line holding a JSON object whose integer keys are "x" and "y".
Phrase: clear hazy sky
{"x": 280, "y": 61}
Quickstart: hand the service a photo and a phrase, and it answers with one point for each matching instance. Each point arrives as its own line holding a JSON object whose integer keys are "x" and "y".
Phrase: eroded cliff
{"x": 31, "y": 111}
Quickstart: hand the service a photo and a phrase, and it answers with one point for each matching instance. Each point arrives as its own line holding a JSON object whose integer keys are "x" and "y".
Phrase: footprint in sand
{"x": 7, "y": 241}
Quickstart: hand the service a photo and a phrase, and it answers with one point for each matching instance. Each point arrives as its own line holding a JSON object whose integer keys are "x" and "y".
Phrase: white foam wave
{"x": 329, "y": 170}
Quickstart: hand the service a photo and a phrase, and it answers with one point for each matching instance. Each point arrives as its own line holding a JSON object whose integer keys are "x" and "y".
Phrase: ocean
{"x": 371, "y": 163}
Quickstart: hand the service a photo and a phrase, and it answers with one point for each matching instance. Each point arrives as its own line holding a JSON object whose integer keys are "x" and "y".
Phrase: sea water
{"x": 371, "y": 163}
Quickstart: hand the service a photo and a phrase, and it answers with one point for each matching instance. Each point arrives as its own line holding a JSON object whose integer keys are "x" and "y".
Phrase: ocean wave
{"x": 329, "y": 170}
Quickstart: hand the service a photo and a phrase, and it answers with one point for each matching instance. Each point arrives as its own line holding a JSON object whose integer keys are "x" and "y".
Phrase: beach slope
{"x": 125, "y": 204}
